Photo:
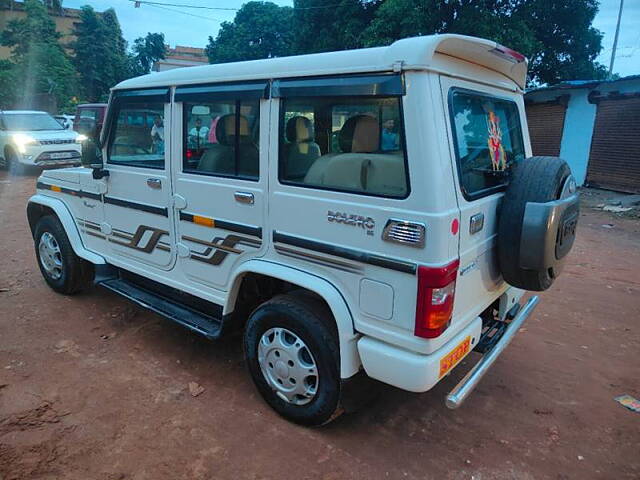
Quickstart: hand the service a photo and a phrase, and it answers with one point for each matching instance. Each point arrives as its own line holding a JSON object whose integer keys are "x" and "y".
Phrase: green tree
{"x": 36, "y": 27}
{"x": 259, "y": 30}
{"x": 320, "y": 27}
{"x": 145, "y": 51}
{"x": 7, "y": 85}
{"x": 566, "y": 44}
{"x": 37, "y": 58}
{"x": 90, "y": 51}
{"x": 118, "y": 66}
{"x": 556, "y": 35}
{"x": 99, "y": 52}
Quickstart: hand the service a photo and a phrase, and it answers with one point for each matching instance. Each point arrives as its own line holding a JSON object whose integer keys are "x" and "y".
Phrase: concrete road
{"x": 93, "y": 387}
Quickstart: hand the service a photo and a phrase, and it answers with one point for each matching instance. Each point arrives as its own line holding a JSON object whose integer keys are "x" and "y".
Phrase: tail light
{"x": 436, "y": 291}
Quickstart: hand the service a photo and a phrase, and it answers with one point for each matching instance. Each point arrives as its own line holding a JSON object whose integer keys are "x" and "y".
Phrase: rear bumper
{"x": 471, "y": 379}
{"x": 409, "y": 370}
{"x": 418, "y": 373}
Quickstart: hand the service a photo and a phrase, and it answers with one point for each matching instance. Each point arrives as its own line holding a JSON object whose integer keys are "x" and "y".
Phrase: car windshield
{"x": 21, "y": 122}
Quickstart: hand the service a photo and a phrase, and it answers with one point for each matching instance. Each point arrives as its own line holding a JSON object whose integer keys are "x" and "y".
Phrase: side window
{"x": 222, "y": 138}
{"x": 134, "y": 142}
{"x": 488, "y": 140}
{"x": 88, "y": 113}
{"x": 346, "y": 144}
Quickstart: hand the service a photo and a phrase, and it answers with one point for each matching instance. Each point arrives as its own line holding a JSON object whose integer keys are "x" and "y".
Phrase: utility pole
{"x": 615, "y": 40}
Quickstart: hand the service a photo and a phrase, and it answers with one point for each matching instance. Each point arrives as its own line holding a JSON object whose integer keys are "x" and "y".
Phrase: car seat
{"x": 221, "y": 157}
{"x": 301, "y": 151}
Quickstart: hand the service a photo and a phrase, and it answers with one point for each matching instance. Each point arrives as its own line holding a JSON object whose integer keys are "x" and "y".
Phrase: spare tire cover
{"x": 537, "y": 222}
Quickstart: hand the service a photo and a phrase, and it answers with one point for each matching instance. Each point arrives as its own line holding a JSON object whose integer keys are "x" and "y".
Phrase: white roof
{"x": 417, "y": 53}
{"x": 9, "y": 112}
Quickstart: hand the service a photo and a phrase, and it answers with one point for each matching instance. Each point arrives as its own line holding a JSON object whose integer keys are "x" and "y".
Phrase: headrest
{"x": 360, "y": 134}
{"x": 226, "y": 129}
{"x": 299, "y": 129}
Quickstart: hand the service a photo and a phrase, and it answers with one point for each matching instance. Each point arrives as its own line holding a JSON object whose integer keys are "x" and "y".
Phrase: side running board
{"x": 209, "y": 326}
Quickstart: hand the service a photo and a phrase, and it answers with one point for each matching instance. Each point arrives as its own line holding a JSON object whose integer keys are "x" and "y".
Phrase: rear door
{"x": 485, "y": 127}
{"x": 342, "y": 177}
{"x": 136, "y": 204}
{"x": 220, "y": 178}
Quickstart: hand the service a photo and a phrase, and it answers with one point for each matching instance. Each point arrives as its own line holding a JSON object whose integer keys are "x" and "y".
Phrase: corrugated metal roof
{"x": 570, "y": 84}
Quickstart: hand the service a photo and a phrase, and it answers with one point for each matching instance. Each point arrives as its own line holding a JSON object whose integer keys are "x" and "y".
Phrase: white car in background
{"x": 33, "y": 138}
{"x": 65, "y": 120}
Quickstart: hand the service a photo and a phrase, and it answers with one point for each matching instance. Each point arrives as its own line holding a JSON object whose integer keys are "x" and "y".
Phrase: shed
{"x": 594, "y": 126}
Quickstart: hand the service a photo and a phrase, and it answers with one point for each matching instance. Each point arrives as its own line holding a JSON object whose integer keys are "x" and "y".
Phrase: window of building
{"x": 136, "y": 141}
{"x": 222, "y": 138}
{"x": 488, "y": 141}
{"x": 345, "y": 144}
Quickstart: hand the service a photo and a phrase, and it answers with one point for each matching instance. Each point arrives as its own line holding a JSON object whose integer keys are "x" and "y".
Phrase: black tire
{"x": 536, "y": 179}
{"x": 311, "y": 320}
{"x": 77, "y": 273}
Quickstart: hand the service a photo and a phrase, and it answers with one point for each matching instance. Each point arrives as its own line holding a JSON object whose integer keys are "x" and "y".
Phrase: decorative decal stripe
{"x": 137, "y": 206}
{"x": 91, "y": 228}
{"x": 318, "y": 260}
{"x": 350, "y": 254}
{"x": 223, "y": 224}
{"x": 221, "y": 248}
{"x": 133, "y": 241}
{"x": 68, "y": 191}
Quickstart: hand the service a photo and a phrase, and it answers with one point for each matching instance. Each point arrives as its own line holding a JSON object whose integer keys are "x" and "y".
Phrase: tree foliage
{"x": 100, "y": 52}
{"x": 556, "y": 35}
{"x": 259, "y": 30}
{"x": 146, "y": 51}
{"x": 319, "y": 28}
{"x": 38, "y": 60}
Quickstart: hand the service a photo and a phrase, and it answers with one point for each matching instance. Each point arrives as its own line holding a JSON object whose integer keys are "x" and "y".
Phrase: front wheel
{"x": 291, "y": 349}
{"x": 61, "y": 268}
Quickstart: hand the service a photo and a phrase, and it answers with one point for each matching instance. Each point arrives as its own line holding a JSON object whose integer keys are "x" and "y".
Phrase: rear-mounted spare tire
{"x": 537, "y": 223}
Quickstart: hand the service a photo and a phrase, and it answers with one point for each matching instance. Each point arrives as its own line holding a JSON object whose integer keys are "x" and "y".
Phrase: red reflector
{"x": 434, "y": 305}
{"x": 455, "y": 225}
{"x": 509, "y": 54}
{"x": 189, "y": 153}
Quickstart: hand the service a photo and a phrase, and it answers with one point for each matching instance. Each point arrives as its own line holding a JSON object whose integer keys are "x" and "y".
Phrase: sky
{"x": 192, "y": 27}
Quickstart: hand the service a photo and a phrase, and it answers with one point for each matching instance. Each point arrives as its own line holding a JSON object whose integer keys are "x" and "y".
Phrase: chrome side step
{"x": 461, "y": 391}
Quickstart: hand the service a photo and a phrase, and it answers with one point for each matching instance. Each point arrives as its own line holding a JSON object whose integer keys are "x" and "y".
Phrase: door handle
{"x": 244, "y": 197}
{"x": 154, "y": 183}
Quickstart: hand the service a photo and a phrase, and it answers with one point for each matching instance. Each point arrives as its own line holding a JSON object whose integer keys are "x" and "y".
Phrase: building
{"x": 64, "y": 19}
{"x": 594, "y": 126}
{"x": 181, "y": 57}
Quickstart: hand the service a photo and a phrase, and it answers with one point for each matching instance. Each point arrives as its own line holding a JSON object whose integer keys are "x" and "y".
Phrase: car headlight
{"x": 21, "y": 140}
{"x": 81, "y": 138}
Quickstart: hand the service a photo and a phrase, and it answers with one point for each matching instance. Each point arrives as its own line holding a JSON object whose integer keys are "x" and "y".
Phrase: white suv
{"x": 370, "y": 212}
{"x": 32, "y": 138}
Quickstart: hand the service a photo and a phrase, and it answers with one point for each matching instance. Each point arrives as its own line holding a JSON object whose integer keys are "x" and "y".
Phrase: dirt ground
{"x": 92, "y": 387}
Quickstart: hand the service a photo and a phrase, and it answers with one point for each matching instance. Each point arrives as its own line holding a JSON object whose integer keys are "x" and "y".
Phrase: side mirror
{"x": 91, "y": 155}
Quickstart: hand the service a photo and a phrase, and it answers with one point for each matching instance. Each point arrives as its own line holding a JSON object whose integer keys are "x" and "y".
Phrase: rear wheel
{"x": 61, "y": 268}
{"x": 291, "y": 349}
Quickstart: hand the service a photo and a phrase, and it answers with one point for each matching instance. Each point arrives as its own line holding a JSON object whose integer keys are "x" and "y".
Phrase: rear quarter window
{"x": 487, "y": 136}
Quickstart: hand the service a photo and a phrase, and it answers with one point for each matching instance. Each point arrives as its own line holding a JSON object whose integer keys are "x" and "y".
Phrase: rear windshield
{"x": 488, "y": 140}
{"x": 22, "y": 122}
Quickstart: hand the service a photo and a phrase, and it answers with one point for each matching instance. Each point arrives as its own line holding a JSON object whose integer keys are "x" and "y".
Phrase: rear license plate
{"x": 57, "y": 155}
{"x": 452, "y": 358}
